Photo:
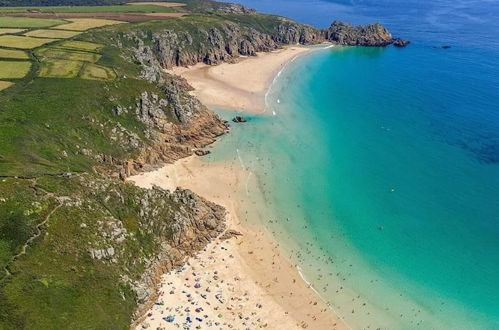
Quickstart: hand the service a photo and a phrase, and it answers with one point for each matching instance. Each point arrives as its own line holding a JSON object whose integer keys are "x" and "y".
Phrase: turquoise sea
{"x": 377, "y": 169}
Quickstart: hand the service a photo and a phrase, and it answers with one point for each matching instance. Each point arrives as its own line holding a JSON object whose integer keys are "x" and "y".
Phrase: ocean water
{"x": 377, "y": 169}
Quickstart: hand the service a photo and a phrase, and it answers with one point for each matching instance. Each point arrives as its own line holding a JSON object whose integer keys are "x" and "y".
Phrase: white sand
{"x": 241, "y": 86}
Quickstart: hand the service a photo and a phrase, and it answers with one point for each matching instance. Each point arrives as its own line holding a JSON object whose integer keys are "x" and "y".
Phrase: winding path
{"x": 36, "y": 235}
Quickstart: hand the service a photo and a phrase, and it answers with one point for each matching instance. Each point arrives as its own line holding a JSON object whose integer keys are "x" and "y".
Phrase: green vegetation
{"x": 5, "y": 84}
{"x": 66, "y": 60}
{"x": 14, "y": 69}
{"x": 97, "y": 72}
{"x": 83, "y": 24}
{"x": 52, "y": 68}
{"x": 22, "y": 42}
{"x": 11, "y": 53}
{"x": 90, "y": 9}
{"x": 57, "y": 284}
{"x": 6, "y": 30}
{"x": 56, "y": 34}
{"x": 45, "y": 127}
{"x": 81, "y": 45}
{"x": 28, "y": 22}
{"x": 64, "y": 54}
{"x": 68, "y": 124}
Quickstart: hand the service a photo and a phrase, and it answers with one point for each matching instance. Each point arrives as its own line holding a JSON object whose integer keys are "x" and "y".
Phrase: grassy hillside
{"x": 51, "y": 223}
{"x": 57, "y": 284}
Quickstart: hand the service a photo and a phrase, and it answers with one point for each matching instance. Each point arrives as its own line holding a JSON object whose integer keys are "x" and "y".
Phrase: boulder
{"x": 230, "y": 233}
{"x": 239, "y": 119}
{"x": 401, "y": 42}
{"x": 201, "y": 152}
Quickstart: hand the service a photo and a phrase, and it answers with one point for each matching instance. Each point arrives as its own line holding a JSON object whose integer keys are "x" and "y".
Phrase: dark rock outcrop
{"x": 201, "y": 152}
{"x": 230, "y": 233}
{"x": 369, "y": 35}
{"x": 401, "y": 42}
{"x": 239, "y": 119}
{"x": 195, "y": 223}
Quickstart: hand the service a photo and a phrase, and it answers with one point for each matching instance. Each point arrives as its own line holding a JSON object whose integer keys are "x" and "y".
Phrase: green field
{"x": 91, "y": 9}
{"x": 97, "y": 72}
{"x": 5, "y": 84}
{"x": 7, "y": 30}
{"x": 14, "y": 69}
{"x": 56, "y": 34}
{"x": 54, "y": 68}
{"x": 28, "y": 22}
{"x": 22, "y": 42}
{"x": 83, "y": 24}
{"x": 80, "y": 45}
{"x": 10, "y": 53}
{"x": 65, "y": 54}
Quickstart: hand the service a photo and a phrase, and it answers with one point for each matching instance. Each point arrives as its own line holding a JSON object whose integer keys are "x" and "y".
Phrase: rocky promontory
{"x": 369, "y": 35}
{"x": 231, "y": 36}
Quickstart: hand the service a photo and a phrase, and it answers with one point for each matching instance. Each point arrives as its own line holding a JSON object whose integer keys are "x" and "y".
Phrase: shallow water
{"x": 379, "y": 171}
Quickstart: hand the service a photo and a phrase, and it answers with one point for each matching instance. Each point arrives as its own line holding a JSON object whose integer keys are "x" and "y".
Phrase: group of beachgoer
{"x": 197, "y": 296}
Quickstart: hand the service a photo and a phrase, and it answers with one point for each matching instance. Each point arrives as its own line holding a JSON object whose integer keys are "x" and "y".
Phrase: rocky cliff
{"x": 176, "y": 125}
{"x": 369, "y": 35}
{"x": 234, "y": 35}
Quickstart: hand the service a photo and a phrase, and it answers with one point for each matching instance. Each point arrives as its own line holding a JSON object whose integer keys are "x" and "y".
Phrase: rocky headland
{"x": 231, "y": 37}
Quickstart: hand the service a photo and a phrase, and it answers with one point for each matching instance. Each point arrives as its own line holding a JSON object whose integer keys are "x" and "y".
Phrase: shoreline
{"x": 260, "y": 281}
{"x": 222, "y": 85}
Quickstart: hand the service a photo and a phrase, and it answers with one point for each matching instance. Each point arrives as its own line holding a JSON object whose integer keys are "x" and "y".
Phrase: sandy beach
{"x": 243, "y": 282}
{"x": 242, "y": 85}
{"x": 240, "y": 283}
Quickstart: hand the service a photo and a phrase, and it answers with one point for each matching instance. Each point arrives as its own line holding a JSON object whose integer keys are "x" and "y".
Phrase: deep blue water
{"x": 381, "y": 165}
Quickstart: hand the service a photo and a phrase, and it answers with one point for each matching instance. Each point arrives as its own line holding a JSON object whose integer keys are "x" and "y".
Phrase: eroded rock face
{"x": 175, "y": 224}
{"x": 369, "y": 35}
{"x": 222, "y": 42}
{"x": 289, "y": 32}
{"x": 196, "y": 222}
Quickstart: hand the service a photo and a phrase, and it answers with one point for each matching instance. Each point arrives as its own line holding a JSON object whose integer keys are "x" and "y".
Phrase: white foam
{"x": 247, "y": 183}
{"x": 240, "y": 159}
{"x": 279, "y": 74}
{"x": 318, "y": 294}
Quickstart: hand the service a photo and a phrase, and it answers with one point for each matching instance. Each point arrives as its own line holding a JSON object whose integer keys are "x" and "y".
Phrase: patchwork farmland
{"x": 43, "y": 41}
